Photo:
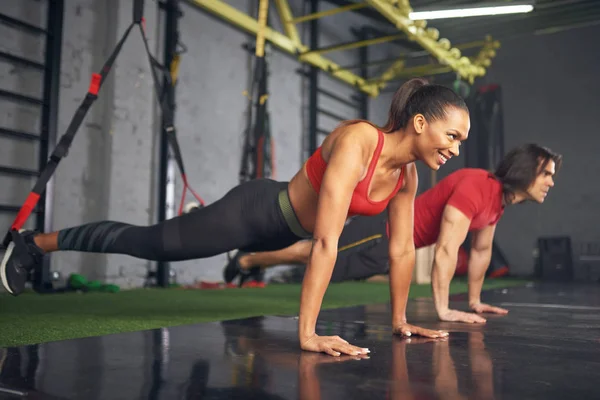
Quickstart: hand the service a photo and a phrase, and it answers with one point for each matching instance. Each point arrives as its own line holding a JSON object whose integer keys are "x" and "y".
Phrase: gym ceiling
{"x": 464, "y": 47}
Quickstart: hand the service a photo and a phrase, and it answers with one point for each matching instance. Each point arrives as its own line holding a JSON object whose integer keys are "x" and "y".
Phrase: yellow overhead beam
{"x": 487, "y": 52}
{"x": 285, "y": 14}
{"x": 470, "y": 45}
{"x": 397, "y": 70}
{"x": 245, "y": 22}
{"x": 396, "y": 11}
{"x": 392, "y": 72}
{"x": 310, "y": 17}
{"x": 403, "y": 5}
{"x": 423, "y": 70}
{"x": 355, "y": 45}
{"x": 249, "y": 24}
{"x": 483, "y": 58}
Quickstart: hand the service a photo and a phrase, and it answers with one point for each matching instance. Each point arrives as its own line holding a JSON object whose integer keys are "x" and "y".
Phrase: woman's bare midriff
{"x": 304, "y": 200}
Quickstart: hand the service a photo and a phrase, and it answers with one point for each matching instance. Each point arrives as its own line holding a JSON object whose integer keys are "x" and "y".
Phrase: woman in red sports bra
{"x": 359, "y": 170}
{"x": 363, "y": 169}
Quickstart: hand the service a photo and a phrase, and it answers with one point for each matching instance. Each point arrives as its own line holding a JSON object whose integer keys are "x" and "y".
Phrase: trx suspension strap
{"x": 257, "y": 154}
{"x": 62, "y": 148}
{"x": 164, "y": 97}
{"x": 257, "y": 157}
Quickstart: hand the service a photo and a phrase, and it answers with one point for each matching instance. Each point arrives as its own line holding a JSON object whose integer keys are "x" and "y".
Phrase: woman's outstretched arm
{"x": 346, "y": 165}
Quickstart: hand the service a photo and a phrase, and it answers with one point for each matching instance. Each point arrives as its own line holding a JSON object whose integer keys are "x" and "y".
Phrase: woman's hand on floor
{"x": 460, "y": 316}
{"x": 332, "y": 345}
{"x": 486, "y": 308}
{"x": 412, "y": 330}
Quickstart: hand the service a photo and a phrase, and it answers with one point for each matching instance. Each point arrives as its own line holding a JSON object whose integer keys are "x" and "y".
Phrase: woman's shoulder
{"x": 349, "y": 136}
{"x": 360, "y": 132}
{"x": 359, "y": 127}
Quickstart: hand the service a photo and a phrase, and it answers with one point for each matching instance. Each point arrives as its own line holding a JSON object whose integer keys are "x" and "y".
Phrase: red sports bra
{"x": 360, "y": 203}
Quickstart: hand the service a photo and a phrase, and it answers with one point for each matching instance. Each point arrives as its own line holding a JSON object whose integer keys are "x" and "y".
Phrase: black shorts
{"x": 363, "y": 249}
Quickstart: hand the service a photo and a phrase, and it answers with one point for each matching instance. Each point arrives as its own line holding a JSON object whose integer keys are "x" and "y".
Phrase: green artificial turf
{"x": 32, "y": 318}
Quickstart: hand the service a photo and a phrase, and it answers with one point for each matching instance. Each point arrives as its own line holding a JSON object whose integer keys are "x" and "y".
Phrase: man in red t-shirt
{"x": 468, "y": 200}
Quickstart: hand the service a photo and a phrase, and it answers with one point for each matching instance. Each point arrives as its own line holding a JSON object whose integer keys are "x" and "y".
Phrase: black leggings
{"x": 248, "y": 218}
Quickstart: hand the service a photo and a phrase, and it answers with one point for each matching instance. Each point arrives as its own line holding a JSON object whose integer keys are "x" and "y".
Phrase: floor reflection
{"x": 523, "y": 355}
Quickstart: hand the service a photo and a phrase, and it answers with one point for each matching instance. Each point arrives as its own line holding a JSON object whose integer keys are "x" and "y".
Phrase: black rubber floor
{"x": 547, "y": 347}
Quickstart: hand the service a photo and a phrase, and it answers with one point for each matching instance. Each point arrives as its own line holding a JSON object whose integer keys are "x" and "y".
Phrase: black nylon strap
{"x": 163, "y": 99}
{"x": 62, "y": 148}
{"x": 257, "y": 153}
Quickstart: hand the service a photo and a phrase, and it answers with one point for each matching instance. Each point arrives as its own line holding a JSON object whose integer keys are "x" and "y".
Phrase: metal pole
{"x": 363, "y": 55}
{"x": 42, "y": 281}
{"x": 313, "y": 76}
{"x": 166, "y": 168}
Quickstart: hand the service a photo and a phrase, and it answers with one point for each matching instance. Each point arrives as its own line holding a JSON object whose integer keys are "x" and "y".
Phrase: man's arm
{"x": 479, "y": 261}
{"x": 402, "y": 254}
{"x": 453, "y": 231}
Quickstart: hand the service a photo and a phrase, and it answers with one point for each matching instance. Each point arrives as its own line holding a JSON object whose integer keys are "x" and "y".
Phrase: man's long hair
{"x": 521, "y": 166}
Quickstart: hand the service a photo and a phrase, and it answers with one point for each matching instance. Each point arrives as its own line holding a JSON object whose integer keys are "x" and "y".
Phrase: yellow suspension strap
{"x": 174, "y": 67}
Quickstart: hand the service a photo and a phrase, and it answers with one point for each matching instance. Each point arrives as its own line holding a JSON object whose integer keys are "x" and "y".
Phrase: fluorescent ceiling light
{"x": 471, "y": 12}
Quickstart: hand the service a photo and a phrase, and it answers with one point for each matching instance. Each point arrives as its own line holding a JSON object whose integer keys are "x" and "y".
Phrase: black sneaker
{"x": 20, "y": 258}
{"x": 233, "y": 268}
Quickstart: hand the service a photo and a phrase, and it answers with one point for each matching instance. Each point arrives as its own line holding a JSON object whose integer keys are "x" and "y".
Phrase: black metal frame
{"x": 363, "y": 56}
{"x": 361, "y": 102}
{"x": 173, "y": 13}
{"x": 41, "y": 279}
{"x": 23, "y": 61}
{"x": 313, "y": 79}
{"x": 21, "y": 98}
{"x": 25, "y": 26}
{"x": 18, "y": 134}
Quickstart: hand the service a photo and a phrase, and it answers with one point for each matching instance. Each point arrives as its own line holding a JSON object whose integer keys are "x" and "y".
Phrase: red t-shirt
{"x": 475, "y": 192}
